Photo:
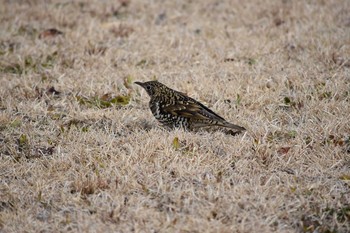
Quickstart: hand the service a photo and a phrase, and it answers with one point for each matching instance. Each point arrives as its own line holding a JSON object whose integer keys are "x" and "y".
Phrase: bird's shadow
{"x": 147, "y": 126}
{"x": 214, "y": 129}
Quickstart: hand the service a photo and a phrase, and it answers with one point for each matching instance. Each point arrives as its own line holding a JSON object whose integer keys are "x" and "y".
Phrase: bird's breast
{"x": 155, "y": 109}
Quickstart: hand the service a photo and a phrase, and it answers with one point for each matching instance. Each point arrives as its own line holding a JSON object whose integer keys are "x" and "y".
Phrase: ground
{"x": 81, "y": 152}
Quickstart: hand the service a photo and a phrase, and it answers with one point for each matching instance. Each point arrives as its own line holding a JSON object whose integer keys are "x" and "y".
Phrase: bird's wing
{"x": 191, "y": 108}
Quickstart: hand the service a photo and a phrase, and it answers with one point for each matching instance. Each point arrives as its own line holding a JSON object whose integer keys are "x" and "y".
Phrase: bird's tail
{"x": 232, "y": 126}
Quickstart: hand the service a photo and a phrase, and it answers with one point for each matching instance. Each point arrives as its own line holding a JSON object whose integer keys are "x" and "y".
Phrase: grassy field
{"x": 81, "y": 152}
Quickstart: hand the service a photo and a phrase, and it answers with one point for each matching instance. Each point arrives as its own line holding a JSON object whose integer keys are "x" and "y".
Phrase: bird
{"x": 175, "y": 109}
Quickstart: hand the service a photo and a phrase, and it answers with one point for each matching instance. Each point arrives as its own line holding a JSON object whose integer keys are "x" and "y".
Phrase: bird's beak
{"x": 140, "y": 84}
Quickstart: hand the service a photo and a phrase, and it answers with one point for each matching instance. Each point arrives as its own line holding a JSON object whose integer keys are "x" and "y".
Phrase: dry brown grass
{"x": 81, "y": 152}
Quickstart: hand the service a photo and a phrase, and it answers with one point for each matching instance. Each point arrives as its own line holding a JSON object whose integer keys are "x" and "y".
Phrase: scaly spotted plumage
{"x": 175, "y": 109}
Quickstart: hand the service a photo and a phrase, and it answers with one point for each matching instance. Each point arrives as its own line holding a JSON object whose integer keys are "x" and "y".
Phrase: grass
{"x": 81, "y": 152}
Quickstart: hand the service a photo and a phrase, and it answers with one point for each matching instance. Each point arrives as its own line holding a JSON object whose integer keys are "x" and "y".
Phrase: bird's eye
{"x": 148, "y": 87}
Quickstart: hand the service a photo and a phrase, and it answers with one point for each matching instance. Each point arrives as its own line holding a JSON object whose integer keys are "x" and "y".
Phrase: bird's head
{"x": 153, "y": 88}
